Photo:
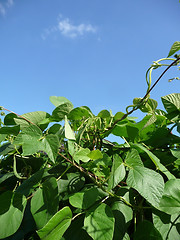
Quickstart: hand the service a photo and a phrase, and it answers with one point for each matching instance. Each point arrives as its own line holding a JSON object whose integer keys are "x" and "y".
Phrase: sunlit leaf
{"x": 167, "y": 225}
{"x": 175, "y": 47}
{"x": 117, "y": 172}
{"x": 147, "y": 182}
{"x": 69, "y": 134}
{"x": 95, "y": 154}
{"x": 99, "y": 222}
{"x": 57, "y": 225}
{"x": 59, "y": 100}
{"x": 171, "y": 102}
{"x": 155, "y": 160}
{"x": 170, "y": 201}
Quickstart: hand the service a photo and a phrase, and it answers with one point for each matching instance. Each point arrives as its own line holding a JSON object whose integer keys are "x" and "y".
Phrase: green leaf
{"x": 9, "y": 119}
{"x": 95, "y": 154}
{"x": 29, "y": 139}
{"x": 175, "y": 152}
{"x": 99, "y": 222}
{"x": 6, "y": 148}
{"x": 69, "y": 134}
{"x": 170, "y": 201}
{"x": 11, "y": 212}
{"x": 80, "y": 113}
{"x": 32, "y": 141}
{"x": 118, "y": 116}
{"x": 76, "y": 231}
{"x": 104, "y": 114}
{"x": 34, "y": 117}
{"x": 175, "y": 47}
{"x": 56, "y": 101}
{"x": 127, "y": 130}
{"x": 146, "y": 230}
{"x": 15, "y": 170}
{"x": 171, "y": 102}
{"x": 6, "y": 176}
{"x": 123, "y": 215}
{"x": 57, "y": 225}
{"x": 50, "y": 145}
{"x": 117, "y": 172}
{"x": 152, "y": 120}
{"x": 155, "y": 160}
{"x": 147, "y": 182}
{"x": 149, "y": 106}
{"x": 133, "y": 159}
{"x": 10, "y": 130}
{"x": 82, "y": 154}
{"x": 59, "y": 112}
{"x": 167, "y": 225}
{"x": 28, "y": 185}
{"x": 45, "y": 202}
{"x": 86, "y": 198}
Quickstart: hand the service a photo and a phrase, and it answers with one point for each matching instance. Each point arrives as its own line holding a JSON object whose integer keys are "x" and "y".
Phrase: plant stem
{"x": 5, "y": 109}
{"x": 147, "y": 93}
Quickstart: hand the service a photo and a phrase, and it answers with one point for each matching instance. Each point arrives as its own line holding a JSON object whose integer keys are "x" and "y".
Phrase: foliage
{"x": 62, "y": 179}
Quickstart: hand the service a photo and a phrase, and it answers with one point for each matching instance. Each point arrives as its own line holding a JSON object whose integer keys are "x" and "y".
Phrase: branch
{"x": 137, "y": 107}
{"x": 2, "y": 108}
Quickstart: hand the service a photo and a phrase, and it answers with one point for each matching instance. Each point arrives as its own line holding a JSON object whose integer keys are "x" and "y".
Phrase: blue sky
{"x": 94, "y": 53}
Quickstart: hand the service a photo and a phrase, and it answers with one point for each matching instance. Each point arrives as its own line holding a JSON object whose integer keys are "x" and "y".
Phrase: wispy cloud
{"x": 9, "y": 3}
{"x": 66, "y": 28}
{"x": 5, "y": 6}
{"x": 2, "y": 10}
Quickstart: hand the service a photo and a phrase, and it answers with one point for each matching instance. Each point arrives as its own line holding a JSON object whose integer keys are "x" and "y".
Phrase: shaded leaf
{"x": 146, "y": 230}
{"x": 86, "y": 198}
{"x": 121, "y": 212}
{"x": 11, "y": 212}
{"x": 10, "y": 130}
{"x": 76, "y": 231}
{"x": 45, "y": 202}
{"x": 61, "y": 111}
{"x": 28, "y": 185}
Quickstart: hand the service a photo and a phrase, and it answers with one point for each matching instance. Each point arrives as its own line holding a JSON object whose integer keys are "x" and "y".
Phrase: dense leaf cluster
{"x": 61, "y": 178}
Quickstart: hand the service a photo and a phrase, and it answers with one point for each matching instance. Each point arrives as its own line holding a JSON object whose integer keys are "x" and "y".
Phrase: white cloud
{"x": 9, "y": 3}
{"x": 2, "y": 10}
{"x": 5, "y": 6}
{"x": 68, "y": 29}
